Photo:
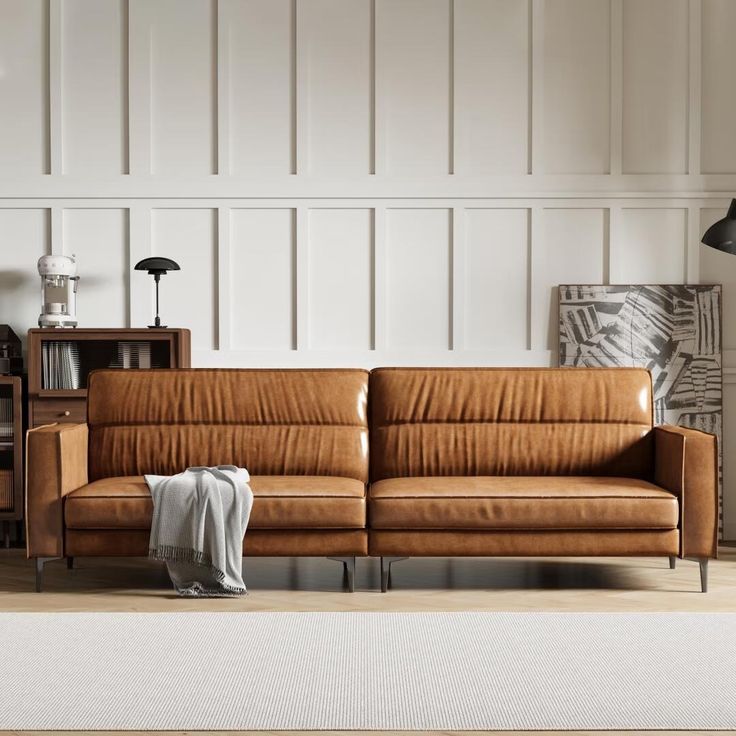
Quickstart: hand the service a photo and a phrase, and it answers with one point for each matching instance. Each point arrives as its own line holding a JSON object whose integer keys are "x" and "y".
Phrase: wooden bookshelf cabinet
{"x": 52, "y": 400}
{"x": 11, "y": 453}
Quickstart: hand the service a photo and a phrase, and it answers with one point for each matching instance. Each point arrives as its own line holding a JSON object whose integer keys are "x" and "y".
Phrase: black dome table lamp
{"x": 721, "y": 235}
{"x": 157, "y": 267}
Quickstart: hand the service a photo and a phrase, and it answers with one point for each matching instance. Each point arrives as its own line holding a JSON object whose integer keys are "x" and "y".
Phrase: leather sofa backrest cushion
{"x": 273, "y": 422}
{"x": 497, "y": 421}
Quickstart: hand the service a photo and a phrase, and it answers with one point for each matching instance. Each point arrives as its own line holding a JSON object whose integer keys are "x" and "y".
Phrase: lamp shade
{"x": 157, "y": 265}
{"x": 721, "y": 235}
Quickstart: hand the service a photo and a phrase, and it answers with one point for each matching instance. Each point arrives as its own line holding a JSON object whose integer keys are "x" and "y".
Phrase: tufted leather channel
{"x": 520, "y": 421}
{"x": 274, "y": 422}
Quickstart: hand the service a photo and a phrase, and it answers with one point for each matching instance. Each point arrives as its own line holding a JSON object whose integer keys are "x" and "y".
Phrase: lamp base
{"x": 157, "y": 327}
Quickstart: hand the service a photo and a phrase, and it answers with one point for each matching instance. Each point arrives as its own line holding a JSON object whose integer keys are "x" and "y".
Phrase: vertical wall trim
{"x": 372, "y": 89}
{"x": 695, "y": 42}
{"x": 379, "y": 117}
{"x": 125, "y": 86}
{"x": 140, "y": 41}
{"x": 215, "y": 223}
{"x": 537, "y": 340}
{"x": 224, "y": 280}
{"x": 57, "y": 231}
{"x": 140, "y": 297}
{"x": 528, "y": 284}
{"x": 692, "y": 245}
{"x": 56, "y": 160}
{"x": 458, "y": 280}
{"x": 302, "y": 279}
{"x": 372, "y": 290}
{"x": 451, "y": 90}
{"x": 536, "y": 111}
{"x": 606, "y": 239}
{"x": 379, "y": 279}
{"x": 224, "y": 165}
{"x": 529, "y": 84}
{"x": 129, "y": 274}
{"x": 215, "y": 76}
{"x": 299, "y": 100}
{"x": 615, "y": 269}
{"x": 617, "y": 86}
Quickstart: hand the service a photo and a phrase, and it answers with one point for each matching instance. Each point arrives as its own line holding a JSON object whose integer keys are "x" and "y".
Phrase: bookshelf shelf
{"x": 70, "y": 393}
{"x": 11, "y": 452}
{"x": 60, "y": 361}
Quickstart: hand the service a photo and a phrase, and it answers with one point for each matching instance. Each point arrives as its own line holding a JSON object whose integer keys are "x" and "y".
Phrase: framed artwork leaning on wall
{"x": 673, "y": 330}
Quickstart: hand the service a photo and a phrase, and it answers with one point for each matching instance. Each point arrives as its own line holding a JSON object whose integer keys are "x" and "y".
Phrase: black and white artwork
{"x": 674, "y": 331}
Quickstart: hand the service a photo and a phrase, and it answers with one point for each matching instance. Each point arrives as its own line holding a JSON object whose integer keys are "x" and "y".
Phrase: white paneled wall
{"x": 491, "y": 122}
{"x": 655, "y": 86}
{"x": 575, "y": 70}
{"x": 183, "y": 85}
{"x": 261, "y": 310}
{"x": 413, "y": 67}
{"x": 364, "y": 182}
{"x": 340, "y": 264}
{"x": 24, "y": 238}
{"x": 574, "y": 248}
{"x": 418, "y": 272}
{"x": 107, "y": 262}
{"x": 189, "y": 237}
{"x": 493, "y": 279}
{"x": 93, "y": 93}
{"x": 651, "y": 246}
{"x": 256, "y": 87}
{"x": 336, "y": 77}
{"x": 24, "y": 76}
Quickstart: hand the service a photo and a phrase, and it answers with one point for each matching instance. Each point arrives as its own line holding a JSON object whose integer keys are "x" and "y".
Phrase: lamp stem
{"x": 157, "y": 321}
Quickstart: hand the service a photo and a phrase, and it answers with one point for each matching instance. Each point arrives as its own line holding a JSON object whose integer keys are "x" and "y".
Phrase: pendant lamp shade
{"x": 721, "y": 235}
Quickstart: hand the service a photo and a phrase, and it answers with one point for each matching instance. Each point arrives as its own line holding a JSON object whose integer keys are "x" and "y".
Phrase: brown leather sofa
{"x": 517, "y": 462}
{"x": 302, "y": 434}
{"x": 463, "y": 462}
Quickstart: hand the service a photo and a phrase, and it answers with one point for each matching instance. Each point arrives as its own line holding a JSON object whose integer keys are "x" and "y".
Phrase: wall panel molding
{"x": 224, "y": 279}
{"x": 139, "y": 89}
{"x": 56, "y": 136}
{"x": 454, "y": 160}
{"x": 695, "y": 80}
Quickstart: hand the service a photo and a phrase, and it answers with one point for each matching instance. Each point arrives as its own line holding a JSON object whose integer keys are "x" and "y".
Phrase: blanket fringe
{"x": 171, "y": 553}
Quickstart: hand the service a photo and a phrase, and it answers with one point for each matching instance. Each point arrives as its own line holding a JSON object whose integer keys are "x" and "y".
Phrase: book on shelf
{"x": 6, "y": 490}
{"x": 6, "y": 419}
{"x": 134, "y": 354}
{"x": 60, "y": 365}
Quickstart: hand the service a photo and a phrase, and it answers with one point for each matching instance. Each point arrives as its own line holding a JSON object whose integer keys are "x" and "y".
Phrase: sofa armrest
{"x": 56, "y": 464}
{"x": 686, "y": 464}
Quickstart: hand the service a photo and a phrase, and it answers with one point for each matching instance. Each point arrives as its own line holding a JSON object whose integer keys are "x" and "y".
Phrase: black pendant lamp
{"x": 721, "y": 235}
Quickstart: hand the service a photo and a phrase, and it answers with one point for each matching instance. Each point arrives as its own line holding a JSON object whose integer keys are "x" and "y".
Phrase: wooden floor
{"x": 429, "y": 584}
{"x": 312, "y": 584}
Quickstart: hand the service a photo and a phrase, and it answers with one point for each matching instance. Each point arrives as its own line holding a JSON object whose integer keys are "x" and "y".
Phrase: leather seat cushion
{"x": 280, "y": 502}
{"x": 517, "y": 503}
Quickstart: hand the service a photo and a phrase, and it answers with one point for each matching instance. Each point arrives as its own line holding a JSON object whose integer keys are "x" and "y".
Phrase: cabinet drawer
{"x": 47, "y": 411}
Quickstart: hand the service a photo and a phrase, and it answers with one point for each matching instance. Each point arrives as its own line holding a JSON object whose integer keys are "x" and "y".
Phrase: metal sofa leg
{"x": 40, "y": 562}
{"x": 673, "y": 562}
{"x": 386, "y": 563}
{"x": 348, "y": 570}
{"x": 69, "y": 563}
{"x": 703, "y": 562}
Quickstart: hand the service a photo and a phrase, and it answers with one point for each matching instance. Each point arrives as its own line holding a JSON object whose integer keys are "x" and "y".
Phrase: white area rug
{"x": 450, "y": 671}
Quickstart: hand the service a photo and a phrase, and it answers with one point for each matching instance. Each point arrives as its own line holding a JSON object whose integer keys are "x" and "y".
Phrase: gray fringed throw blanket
{"x": 199, "y": 520}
